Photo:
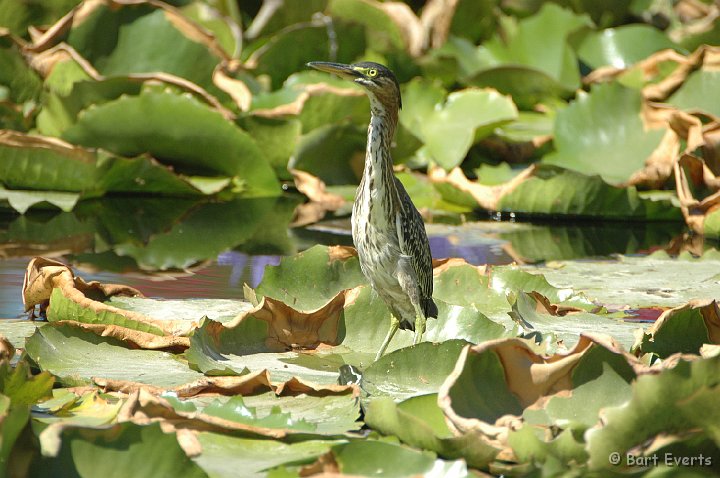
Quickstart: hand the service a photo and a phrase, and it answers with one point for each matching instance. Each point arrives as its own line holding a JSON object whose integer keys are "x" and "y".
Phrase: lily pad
{"x": 603, "y": 133}
{"x": 121, "y": 450}
{"x": 659, "y": 403}
{"x": 152, "y": 122}
{"x": 222, "y": 455}
{"x": 307, "y": 281}
{"x": 568, "y": 193}
{"x": 623, "y": 46}
{"x": 76, "y": 356}
{"x": 683, "y": 329}
{"x": 699, "y": 93}
{"x": 638, "y": 282}
{"x": 131, "y": 38}
{"x": 418, "y": 421}
{"x": 377, "y": 458}
{"x": 554, "y": 69}
{"x": 448, "y": 128}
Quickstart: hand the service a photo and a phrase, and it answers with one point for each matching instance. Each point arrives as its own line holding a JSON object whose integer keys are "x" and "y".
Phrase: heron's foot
{"x": 419, "y": 329}
{"x": 394, "y": 324}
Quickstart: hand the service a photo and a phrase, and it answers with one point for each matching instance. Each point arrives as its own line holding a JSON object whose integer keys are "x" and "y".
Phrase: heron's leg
{"x": 394, "y": 324}
{"x": 419, "y": 325}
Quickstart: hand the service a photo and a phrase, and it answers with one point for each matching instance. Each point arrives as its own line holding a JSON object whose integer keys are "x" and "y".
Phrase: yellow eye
{"x": 372, "y": 72}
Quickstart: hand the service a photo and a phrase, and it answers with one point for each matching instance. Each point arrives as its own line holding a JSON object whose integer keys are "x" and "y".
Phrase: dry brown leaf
{"x": 43, "y": 62}
{"x": 43, "y": 275}
{"x": 706, "y": 57}
{"x": 7, "y": 349}
{"x": 709, "y": 311}
{"x": 325, "y": 466}
{"x": 411, "y": 28}
{"x": 297, "y": 386}
{"x": 135, "y": 338}
{"x": 487, "y": 197}
{"x": 436, "y": 19}
{"x": 340, "y": 253}
{"x": 21, "y": 140}
{"x": 248, "y": 384}
{"x": 237, "y": 89}
{"x": 289, "y": 328}
{"x": 659, "y": 165}
{"x": 691, "y": 173}
{"x": 144, "y": 406}
{"x": 532, "y": 378}
{"x": 320, "y": 202}
{"x": 78, "y": 15}
{"x": 683, "y": 128}
{"x": 309, "y": 91}
{"x": 649, "y": 67}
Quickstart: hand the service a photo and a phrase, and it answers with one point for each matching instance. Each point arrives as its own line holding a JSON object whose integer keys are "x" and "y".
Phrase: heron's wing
{"x": 414, "y": 243}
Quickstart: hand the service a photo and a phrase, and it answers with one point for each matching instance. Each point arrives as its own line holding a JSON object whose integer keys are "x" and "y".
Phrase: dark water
{"x": 180, "y": 249}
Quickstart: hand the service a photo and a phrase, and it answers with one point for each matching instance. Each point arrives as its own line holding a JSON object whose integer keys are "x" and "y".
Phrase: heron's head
{"x": 378, "y": 80}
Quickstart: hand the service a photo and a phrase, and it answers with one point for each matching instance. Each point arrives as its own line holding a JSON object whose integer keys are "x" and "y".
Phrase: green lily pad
{"x": 345, "y": 143}
{"x": 243, "y": 348}
{"x": 699, "y": 93}
{"x": 623, "y": 46}
{"x": 179, "y": 129}
{"x": 21, "y": 201}
{"x": 636, "y": 282}
{"x": 308, "y": 280}
{"x": 219, "y": 310}
{"x": 122, "y": 450}
{"x": 326, "y": 415}
{"x": 411, "y": 371}
{"x": 659, "y": 403}
{"x": 64, "y": 308}
{"x": 568, "y": 193}
{"x": 418, "y": 421}
{"x": 569, "y": 327}
{"x": 222, "y": 455}
{"x": 18, "y": 391}
{"x": 22, "y": 82}
{"x": 17, "y": 330}
{"x": 234, "y": 409}
{"x": 202, "y": 234}
{"x": 448, "y": 128}
{"x": 513, "y": 64}
{"x": 377, "y": 458}
{"x": 133, "y": 39}
{"x": 88, "y": 410}
{"x": 278, "y": 138}
{"x": 529, "y": 445}
{"x": 682, "y": 330}
{"x": 287, "y": 51}
{"x": 75, "y": 357}
{"x": 603, "y": 133}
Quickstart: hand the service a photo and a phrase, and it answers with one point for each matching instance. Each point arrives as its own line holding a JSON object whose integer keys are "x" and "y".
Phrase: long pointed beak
{"x": 343, "y": 71}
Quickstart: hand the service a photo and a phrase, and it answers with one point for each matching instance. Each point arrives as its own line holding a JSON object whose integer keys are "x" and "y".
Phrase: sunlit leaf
{"x": 603, "y": 133}
{"x": 623, "y": 46}
{"x": 76, "y": 356}
{"x": 124, "y": 449}
{"x": 167, "y": 126}
{"x": 568, "y": 193}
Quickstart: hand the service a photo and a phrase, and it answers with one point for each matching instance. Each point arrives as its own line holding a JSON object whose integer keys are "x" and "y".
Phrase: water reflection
{"x": 178, "y": 248}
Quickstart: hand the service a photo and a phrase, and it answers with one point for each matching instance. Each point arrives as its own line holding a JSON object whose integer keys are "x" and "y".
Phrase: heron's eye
{"x": 372, "y": 72}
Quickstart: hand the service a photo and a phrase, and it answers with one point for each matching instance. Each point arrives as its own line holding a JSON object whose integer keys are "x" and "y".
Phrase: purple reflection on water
{"x": 476, "y": 254}
{"x": 239, "y": 261}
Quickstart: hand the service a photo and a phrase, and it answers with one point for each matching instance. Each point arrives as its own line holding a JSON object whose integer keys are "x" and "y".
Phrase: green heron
{"x": 387, "y": 229}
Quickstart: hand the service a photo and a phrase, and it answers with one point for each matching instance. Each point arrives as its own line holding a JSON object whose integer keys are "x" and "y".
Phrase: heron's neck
{"x": 378, "y": 161}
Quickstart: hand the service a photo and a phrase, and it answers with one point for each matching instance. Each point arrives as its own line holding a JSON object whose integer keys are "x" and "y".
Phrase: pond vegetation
{"x": 146, "y": 139}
